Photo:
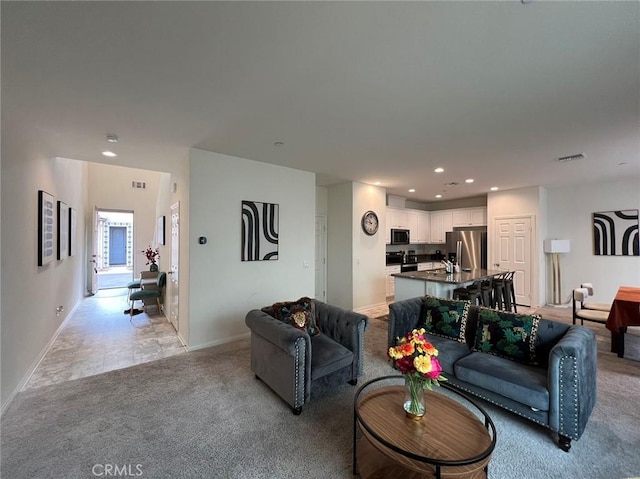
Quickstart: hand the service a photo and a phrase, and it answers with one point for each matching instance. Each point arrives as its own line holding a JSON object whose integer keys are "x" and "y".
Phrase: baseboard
{"x": 219, "y": 342}
{"x": 34, "y": 365}
{"x": 372, "y": 306}
{"x": 566, "y": 305}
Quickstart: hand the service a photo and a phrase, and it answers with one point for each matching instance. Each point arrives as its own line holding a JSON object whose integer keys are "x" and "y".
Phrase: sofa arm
{"x": 282, "y": 335}
{"x": 281, "y": 357}
{"x": 573, "y": 366}
{"x": 404, "y": 316}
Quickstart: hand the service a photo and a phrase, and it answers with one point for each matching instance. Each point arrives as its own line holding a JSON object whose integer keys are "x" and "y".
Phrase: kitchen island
{"x": 436, "y": 282}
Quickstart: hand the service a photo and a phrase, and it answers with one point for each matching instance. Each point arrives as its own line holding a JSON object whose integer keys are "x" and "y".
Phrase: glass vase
{"x": 153, "y": 267}
{"x": 414, "y": 397}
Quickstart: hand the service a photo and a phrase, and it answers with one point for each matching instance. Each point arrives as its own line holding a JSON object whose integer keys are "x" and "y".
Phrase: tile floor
{"x": 99, "y": 337}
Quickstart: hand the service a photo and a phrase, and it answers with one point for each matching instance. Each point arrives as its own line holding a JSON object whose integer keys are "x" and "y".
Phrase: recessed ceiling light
{"x": 439, "y": 170}
{"x": 109, "y": 153}
{"x": 469, "y": 180}
{"x": 111, "y": 138}
{"x": 377, "y": 183}
{"x": 438, "y": 196}
{"x": 494, "y": 188}
{"x": 412, "y": 190}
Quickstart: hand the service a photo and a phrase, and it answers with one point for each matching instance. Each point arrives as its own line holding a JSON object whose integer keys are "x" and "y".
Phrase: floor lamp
{"x": 555, "y": 247}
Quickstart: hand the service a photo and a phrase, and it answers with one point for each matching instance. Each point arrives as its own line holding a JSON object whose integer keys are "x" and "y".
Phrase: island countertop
{"x": 438, "y": 276}
{"x": 436, "y": 283}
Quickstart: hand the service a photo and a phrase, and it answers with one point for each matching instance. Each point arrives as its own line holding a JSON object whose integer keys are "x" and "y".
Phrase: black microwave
{"x": 399, "y": 236}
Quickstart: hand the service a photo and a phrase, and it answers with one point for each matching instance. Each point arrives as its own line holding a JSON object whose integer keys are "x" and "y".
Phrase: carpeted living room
{"x": 338, "y": 152}
{"x": 204, "y": 414}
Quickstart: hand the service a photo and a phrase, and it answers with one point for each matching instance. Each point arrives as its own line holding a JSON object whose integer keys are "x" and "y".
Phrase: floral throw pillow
{"x": 446, "y": 318}
{"x": 508, "y": 335}
{"x": 300, "y": 314}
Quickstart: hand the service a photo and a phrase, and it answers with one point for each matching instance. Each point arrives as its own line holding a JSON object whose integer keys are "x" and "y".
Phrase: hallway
{"x": 99, "y": 337}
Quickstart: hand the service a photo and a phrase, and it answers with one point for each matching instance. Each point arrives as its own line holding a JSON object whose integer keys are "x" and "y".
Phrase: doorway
{"x": 113, "y": 249}
{"x": 512, "y": 252}
{"x": 321, "y": 258}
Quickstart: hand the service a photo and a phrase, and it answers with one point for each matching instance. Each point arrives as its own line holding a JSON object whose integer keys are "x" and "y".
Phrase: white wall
{"x": 322, "y": 201}
{"x": 31, "y": 294}
{"x": 340, "y": 246}
{"x": 356, "y": 261}
{"x": 570, "y": 217}
{"x": 368, "y": 251}
{"x": 222, "y": 287}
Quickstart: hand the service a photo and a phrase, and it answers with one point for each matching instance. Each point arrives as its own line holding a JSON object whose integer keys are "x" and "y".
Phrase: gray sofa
{"x": 298, "y": 366}
{"x": 560, "y": 393}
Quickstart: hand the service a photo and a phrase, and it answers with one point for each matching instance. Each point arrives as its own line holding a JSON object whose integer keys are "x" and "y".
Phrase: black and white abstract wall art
{"x": 46, "y": 228}
{"x": 259, "y": 231}
{"x": 615, "y": 233}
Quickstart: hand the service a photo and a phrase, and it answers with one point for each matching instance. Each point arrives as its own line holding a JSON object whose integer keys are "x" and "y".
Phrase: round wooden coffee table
{"x": 449, "y": 441}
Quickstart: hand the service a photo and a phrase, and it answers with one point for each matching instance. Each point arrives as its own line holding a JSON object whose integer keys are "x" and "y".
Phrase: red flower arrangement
{"x": 151, "y": 255}
{"x": 415, "y": 357}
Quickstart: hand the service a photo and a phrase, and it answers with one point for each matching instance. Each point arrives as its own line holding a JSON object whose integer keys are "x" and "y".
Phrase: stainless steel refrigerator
{"x": 470, "y": 248}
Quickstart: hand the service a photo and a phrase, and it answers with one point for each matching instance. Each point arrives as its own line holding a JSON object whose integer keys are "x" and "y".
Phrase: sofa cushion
{"x": 448, "y": 351}
{"x": 508, "y": 335}
{"x": 446, "y": 318}
{"x": 300, "y": 314}
{"x": 520, "y": 382}
{"x": 327, "y": 356}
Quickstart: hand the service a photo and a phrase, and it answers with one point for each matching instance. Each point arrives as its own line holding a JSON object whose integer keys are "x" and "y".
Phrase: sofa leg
{"x": 564, "y": 442}
{"x": 296, "y": 411}
{"x": 353, "y": 382}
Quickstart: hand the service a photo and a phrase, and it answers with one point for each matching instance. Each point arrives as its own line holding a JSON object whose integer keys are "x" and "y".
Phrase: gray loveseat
{"x": 296, "y": 365}
{"x": 559, "y": 393}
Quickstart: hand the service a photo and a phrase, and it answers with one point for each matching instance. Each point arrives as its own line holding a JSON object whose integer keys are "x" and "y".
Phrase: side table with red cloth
{"x": 625, "y": 311}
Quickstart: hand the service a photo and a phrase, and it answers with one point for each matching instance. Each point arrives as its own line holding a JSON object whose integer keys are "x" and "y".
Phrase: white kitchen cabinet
{"x": 390, "y": 286}
{"x": 422, "y": 235}
{"x": 425, "y": 266}
{"x": 441, "y": 222}
{"x": 397, "y": 218}
{"x": 412, "y": 224}
{"x": 469, "y": 217}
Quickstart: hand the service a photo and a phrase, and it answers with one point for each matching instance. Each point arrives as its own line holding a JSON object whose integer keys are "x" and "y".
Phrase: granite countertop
{"x": 451, "y": 278}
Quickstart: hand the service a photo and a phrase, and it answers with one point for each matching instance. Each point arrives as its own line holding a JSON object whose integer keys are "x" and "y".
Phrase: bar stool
{"x": 486, "y": 293}
{"x": 510, "y": 292}
{"x": 498, "y": 291}
{"x": 471, "y": 293}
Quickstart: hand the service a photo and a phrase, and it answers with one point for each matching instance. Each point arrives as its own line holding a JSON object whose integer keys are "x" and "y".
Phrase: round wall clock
{"x": 370, "y": 223}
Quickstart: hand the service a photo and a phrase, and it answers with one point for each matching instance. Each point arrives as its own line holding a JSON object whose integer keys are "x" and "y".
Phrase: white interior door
{"x": 175, "y": 266}
{"x": 321, "y": 258}
{"x": 512, "y": 252}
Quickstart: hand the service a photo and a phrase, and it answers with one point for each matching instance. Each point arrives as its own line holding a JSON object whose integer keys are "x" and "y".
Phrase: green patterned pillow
{"x": 508, "y": 335}
{"x": 446, "y": 318}
{"x": 300, "y": 314}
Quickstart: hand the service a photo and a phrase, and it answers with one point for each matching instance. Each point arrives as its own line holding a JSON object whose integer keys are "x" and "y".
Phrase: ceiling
{"x": 358, "y": 91}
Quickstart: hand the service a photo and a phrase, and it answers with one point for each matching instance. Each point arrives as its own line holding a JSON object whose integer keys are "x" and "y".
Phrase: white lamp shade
{"x": 557, "y": 246}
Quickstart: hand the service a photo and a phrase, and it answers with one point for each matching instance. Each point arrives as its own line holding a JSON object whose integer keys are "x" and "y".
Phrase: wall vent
{"x": 139, "y": 185}
{"x": 564, "y": 159}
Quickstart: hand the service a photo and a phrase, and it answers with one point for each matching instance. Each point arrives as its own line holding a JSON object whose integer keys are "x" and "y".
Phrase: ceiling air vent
{"x": 564, "y": 159}
{"x": 452, "y": 183}
{"x": 139, "y": 185}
